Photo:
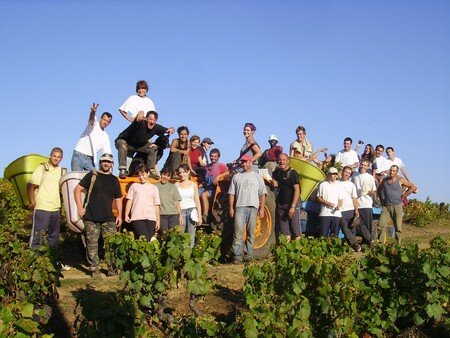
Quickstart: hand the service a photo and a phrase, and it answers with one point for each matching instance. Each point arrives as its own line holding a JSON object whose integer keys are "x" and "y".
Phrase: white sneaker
{"x": 65, "y": 267}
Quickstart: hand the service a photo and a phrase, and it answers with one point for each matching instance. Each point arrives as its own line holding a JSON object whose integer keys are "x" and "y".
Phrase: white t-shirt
{"x": 381, "y": 164}
{"x": 134, "y": 104}
{"x": 364, "y": 184}
{"x": 349, "y": 191}
{"x": 330, "y": 192}
{"x": 347, "y": 157}
{"x": 92, "y": 140}
{"x": 397, "y": 161}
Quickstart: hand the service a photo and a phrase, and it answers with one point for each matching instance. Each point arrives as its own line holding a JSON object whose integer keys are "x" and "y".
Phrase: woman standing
{"x": 250, "y": 146}
{"x": 142, "y": 207}
{"x": 190, "y": 202}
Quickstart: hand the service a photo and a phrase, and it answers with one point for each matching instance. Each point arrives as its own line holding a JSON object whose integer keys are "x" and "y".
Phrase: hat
{"x": 332, "y": 170}
{"x": 245, "y": 157}
{"x": 273, "y": 138}
{"x": 207, "y": 140}
{"x": 107, "y": 157}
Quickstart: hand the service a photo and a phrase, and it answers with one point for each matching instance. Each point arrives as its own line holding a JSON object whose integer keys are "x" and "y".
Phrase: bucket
{"x": 68, "y": 182}
{"x": 19, "y": 171}
{"x": 310, "y": 176}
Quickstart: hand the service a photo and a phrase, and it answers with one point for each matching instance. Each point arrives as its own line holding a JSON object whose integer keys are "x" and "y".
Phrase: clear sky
{"x": 378, "y": 71}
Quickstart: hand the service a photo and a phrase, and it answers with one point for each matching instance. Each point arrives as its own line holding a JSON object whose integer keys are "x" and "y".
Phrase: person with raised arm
{"x": 93, "y": 140}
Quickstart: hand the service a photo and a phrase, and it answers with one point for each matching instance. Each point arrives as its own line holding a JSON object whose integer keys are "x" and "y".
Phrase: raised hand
{"x": 94, "y": 107}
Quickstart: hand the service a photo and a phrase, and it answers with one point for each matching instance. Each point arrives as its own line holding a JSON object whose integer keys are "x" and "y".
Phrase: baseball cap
{"x": 207, "y": 140}
{"x": 332, "y": 170}
{"x": 245, "y": 157}
{"x": 273, "y": 138}
{"x": 107, "y": 157}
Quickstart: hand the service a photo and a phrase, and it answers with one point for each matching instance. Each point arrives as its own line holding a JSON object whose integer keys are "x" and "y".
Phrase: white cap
{"x": 273, "y": 138}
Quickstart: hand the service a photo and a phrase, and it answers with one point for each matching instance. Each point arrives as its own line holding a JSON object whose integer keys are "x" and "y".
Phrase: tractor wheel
{"x": 265, "y": 228}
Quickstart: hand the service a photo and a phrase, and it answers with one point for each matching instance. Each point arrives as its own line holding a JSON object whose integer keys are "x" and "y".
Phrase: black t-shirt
{"x": 286, "y": 180}
{"x": 106, "y": 189}
{"x": 137, "y": 134}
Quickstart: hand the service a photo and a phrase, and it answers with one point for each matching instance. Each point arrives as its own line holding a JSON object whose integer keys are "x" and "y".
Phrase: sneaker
{"x": 248, "y": 258}
{"x": 111, "y": 273}
{"x": 153, "y": 174}
{"x": 123, "y": 173}
{"x": 237, "y": 261}
{"x": 356, "y": 247}
{"x": 65, "y": 267}
{"x": 96, "y": 273}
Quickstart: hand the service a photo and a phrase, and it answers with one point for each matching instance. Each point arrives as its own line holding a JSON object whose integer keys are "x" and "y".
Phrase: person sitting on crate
{"x": 136, "y": 138}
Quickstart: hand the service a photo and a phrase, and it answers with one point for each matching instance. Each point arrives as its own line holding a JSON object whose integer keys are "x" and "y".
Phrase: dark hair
{"x": 141, "y": 84}
{"x": 184, "y": 167}
{"x": 180, "y": 129}
{"x": 106, "y": 114}
{"x": 214, "y": 150}
{"x": 194, "y": 137}
{"x": 347, "y": 167}
{"x": 142, "y": 168}
{"x": 348, "y": 139}
{"x": 300, "y": 128}
{"x": 250, "y": 125}
{"x": 379, "y": 146}
{"x": 390, "y": 148}
{"x": 166, "y": 170}
{"x": 371, "y": 155}
{"x": 150, "y": 112}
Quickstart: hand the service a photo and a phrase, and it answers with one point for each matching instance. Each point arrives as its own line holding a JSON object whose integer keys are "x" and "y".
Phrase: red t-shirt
{"x": 194, "y": 155}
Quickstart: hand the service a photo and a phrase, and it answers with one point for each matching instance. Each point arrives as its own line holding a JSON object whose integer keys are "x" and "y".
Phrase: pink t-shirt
{"x": 145, "y": 197}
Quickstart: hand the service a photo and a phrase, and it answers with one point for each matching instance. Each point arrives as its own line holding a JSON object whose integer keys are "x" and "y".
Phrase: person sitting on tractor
{"x": 136, "y": 139}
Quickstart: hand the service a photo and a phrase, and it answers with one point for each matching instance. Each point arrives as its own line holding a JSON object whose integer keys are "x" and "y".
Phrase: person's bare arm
{"x": 31, "y": 189}
{"x": 94, "y": 107}
{"x": 407, "y": 184}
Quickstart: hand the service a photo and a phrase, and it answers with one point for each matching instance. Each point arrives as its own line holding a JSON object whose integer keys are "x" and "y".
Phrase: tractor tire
{"x": 265, "y": 228}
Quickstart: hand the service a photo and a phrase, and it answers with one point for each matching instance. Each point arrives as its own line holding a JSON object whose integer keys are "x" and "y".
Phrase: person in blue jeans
{"x": 190, "y": 202}
{"x": 247, "y": 196}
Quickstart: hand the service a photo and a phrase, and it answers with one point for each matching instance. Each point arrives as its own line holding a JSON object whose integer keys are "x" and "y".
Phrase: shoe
{"x": 372, "y": 244}
{"x": 62, "y": 266}
{"x": 111, "y": 273}
{"x": 123, "y": 173}
{"x": 237, "y": 261}
{"x": 248, "y": 258}
{"x": 96, "y": 273}
{"x": 153, "y": 174}
{"x": 356, "y": 247}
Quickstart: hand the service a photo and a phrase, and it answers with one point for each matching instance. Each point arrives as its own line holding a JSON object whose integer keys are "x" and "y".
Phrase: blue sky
{"x": 378, "y": 71}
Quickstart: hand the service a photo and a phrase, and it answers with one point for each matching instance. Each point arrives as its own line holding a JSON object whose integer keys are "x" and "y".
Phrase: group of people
{"x": 152, "y": 208}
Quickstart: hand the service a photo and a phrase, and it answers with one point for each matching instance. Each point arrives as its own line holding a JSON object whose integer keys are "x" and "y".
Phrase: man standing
{"x": 380, "y": 165}
{"x": 287, "y": 213}
{"x": 391, "y": 190}
{"x": 391, "y": 160}
{"x": 45, "y": 202}
{"x": 136, "y": 138}
{"x": 350, "y": 213}
{"x": 348, "y": 156}
{"x": 102, "y": 188}
{"x": 247, "y": 197}
{"x": 93, "y": 139}
{"x": 330, "y": 196}
{"x": 366, "y": 190}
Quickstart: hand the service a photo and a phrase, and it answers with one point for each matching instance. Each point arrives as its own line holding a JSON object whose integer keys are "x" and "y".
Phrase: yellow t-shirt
{"x": 47, "y": 195}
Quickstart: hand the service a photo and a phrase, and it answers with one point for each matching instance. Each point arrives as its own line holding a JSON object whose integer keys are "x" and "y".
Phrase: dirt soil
{"x": 78, "y": 288}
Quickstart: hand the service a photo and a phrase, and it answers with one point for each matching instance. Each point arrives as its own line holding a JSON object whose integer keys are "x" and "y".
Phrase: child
{"x": 143, "y": 202}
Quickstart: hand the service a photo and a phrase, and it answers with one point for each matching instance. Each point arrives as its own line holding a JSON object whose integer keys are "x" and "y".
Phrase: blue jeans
{"x": 244, "y": 218}
{"x": 82, "y": 162}
{"x": 188, "y": 226}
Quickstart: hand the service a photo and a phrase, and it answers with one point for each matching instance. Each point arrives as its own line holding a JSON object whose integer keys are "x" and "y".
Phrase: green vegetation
{"x": 422, "y": 213}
